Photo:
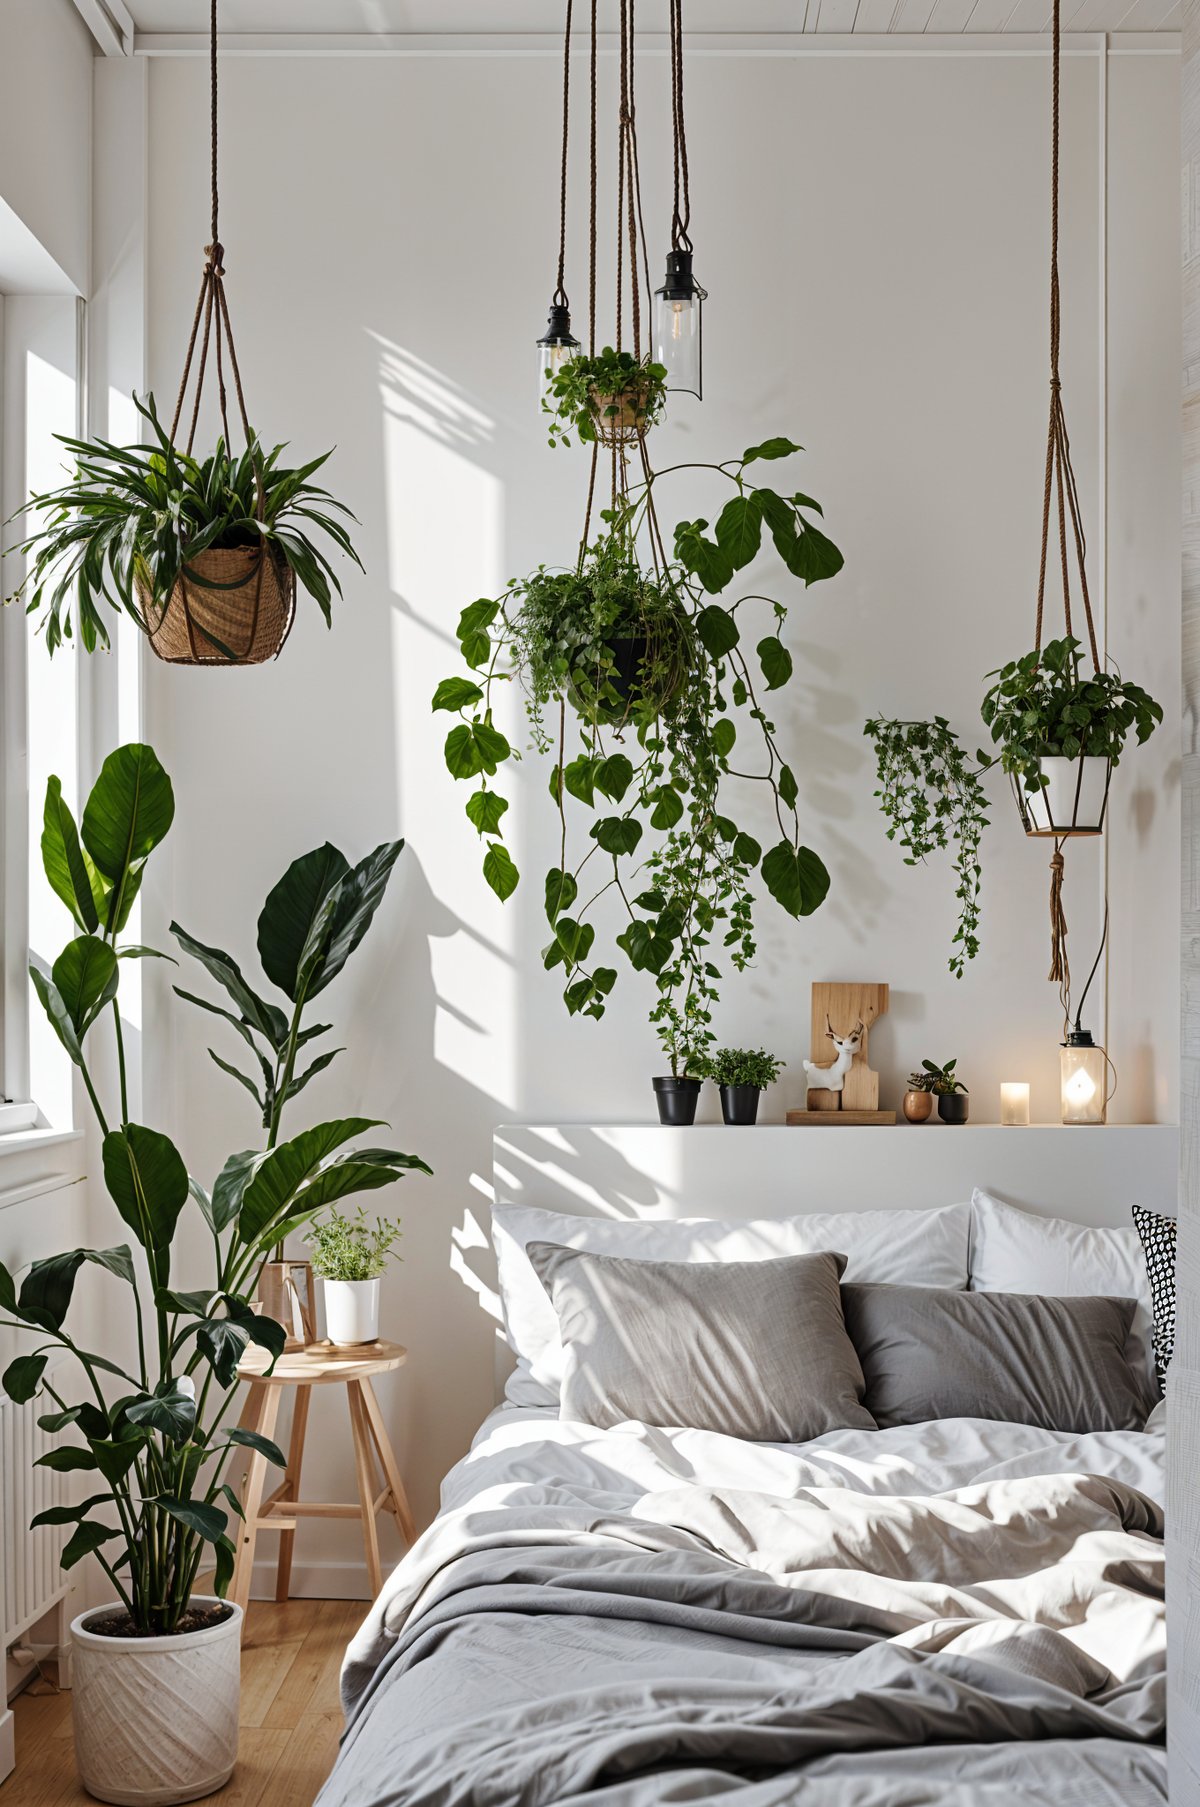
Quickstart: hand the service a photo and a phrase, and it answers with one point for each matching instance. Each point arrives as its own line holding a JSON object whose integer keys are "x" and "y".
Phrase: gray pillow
{"x": 754, "y": 1349}
{"x": 1058, "y": 1364}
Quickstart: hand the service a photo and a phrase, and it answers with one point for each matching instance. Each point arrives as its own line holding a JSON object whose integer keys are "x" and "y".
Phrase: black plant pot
{"x": 739, "y": 1103}
{"x": 677, "y": 1099}
{"x": 953, "y": 1107}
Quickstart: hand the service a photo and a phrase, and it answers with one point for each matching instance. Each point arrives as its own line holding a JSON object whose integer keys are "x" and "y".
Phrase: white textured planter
{"x": 1073, "y": 799}
{"x": 351, "y": 1312}
{"x": 156, "y": 1719}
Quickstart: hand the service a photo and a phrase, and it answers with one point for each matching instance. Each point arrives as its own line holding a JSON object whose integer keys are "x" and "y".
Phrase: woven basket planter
{"x": 622, "y": 427}
{"x": 234, "y": 606}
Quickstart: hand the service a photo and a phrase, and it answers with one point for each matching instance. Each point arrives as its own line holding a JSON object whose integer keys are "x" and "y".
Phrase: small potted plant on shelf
{"x": 951, "y": 1093}
{"x": 205, "y": 555}
{"x": 918, "y": 1100}
{"x": 742, "y": 1074}
{"x": 1060, "y": 730}
{"x": 349, "y": 1257}
{"x": 148, "y": 1428}
{"x": 611, "y": 396}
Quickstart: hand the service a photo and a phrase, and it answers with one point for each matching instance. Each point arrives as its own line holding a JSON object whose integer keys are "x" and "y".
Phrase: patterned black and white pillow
{"x": 1158, "y": 1246}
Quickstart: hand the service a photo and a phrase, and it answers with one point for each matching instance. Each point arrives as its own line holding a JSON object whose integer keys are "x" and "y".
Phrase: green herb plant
{"x": 1045, "y": 705}
{"x": 351, "y": 1248}
{"x": 132, "y": 520}
{"x": 638, "y": 684}
{"x": 744, "y": 1066}
{"x": 585, "y": 390}
{"x": 939, "y": 1080}
{"x": 934, "y": 800}
{"x": 151, "y": 1439}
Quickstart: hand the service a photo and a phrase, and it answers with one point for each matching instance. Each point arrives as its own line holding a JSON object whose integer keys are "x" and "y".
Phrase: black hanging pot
{"x": 953, "y": 1107}
{"x": 677, "y": 1099}
{"x": 739, "y": 1103}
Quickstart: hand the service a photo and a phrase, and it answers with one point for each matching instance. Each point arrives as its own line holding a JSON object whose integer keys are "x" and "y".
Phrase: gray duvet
{"x": 569, "y": 1643}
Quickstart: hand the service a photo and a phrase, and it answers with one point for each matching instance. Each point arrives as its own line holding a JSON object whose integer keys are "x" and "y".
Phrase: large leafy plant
{"x": 649, "y": 677}
{"x": 133, "y": 519}
{"x": 1045, "y": 705}
{"x": 151, "y": 1437}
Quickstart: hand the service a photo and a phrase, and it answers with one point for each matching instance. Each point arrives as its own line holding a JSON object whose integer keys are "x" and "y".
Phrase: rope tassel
{"x": 1060, "y": 969}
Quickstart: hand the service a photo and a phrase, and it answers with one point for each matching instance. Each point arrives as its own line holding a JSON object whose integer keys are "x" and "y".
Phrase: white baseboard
{"x": 8, "y": 1744}
{"x": 315, "y": 1581}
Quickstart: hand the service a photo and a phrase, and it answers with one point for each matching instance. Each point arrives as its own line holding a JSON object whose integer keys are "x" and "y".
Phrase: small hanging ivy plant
{"x": 1044, "y": 705}
{"x": 933, "y": 800}
{"x": 588, "y": 393}
{"x": 638, "y": 684}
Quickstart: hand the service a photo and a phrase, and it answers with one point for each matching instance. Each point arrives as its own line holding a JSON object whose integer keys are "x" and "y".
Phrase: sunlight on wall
{"x": 445, "y": 547}
{"x": 52, "y": 735}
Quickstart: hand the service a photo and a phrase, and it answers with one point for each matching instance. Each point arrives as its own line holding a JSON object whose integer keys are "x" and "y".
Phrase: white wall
{"x": 874, "y": 233}
{"x": 46, "y": 127}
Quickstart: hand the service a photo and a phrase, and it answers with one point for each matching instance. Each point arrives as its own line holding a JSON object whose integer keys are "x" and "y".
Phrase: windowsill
{"x": 26, "y": 1141}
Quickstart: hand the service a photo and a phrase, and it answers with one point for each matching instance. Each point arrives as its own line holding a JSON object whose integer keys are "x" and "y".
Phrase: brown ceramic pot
{"x": 918, "y": 1106}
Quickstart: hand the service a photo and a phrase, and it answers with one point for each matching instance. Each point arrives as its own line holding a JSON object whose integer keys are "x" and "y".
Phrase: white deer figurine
{"x": 833, "y": 1079}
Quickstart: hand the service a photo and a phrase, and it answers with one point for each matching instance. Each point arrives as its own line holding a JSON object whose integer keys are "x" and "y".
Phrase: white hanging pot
{"x": 351, "y": 1312}
{"x": 1073, "y": 800}
{"x": 156, "y": 1719}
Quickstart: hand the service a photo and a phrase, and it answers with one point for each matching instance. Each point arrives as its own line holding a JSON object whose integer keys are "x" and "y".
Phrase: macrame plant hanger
{"x": 230, "y": 605}
{"x": 1061, "y": 495}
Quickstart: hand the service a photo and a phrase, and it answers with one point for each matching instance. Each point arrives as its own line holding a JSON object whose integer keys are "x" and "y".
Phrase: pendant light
{"x": 679, "y": 303}
{"x": 558, "y": 343}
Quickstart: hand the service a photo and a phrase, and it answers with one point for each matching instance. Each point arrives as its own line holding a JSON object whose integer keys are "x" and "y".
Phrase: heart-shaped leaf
{"x": 796, "y": 878}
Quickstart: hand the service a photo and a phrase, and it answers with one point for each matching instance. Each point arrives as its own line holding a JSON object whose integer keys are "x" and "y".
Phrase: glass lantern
{"x": 554, "y": 348}
{"x": 1084, "y": 1079}
{"x": 678, "y": 308}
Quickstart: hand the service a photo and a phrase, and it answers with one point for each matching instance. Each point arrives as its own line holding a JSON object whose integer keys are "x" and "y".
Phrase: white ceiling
{"x": 492, "y": 17}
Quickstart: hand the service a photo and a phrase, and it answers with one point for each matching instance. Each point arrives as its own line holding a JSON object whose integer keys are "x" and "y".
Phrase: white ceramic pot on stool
{"x": 351, "y": 1312}
{"x": 156, "y": 1719}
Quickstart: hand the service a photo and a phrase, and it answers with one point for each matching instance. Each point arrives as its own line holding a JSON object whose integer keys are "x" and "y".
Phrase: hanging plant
{"x": 1046, "y": 706}
{"x": 149, "y": 529}
{"x": 650, "y": 681}
{"x": 610, "y": 397}
{"x": 934, "y": 800}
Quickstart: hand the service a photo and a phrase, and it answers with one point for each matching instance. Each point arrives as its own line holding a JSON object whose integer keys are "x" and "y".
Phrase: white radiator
{"x": 32, "y": 1579}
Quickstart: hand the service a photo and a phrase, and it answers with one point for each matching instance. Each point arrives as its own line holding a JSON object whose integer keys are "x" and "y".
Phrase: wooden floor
{"x": 291, "y": 1719}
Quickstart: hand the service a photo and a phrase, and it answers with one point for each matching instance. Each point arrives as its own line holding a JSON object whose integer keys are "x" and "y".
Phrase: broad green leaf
{"x": 746, "y": 849}
{"x": 8, "y": 1292}
{"x": 796, "y": 878}
{"x": 358, "y": 897}
{"x": 170, "y": 1410}
{"x": 116, "y": 1456}
{"x": 648, "y": 950}
{"x": 69, "y": 1515}
{"x": 701, "y": 556}
{"x": 279, "y": 1174}
{"x": 613, "y": 776}
{"x": 224, "y": 1559}
{"x": 222, "y": 1343}
{"x": 484, "y": 809}
{"x": 815, "y": 557}
{"x": 499, "y": 870}
{"x": 342, "y": 1179}
{"x": 787, "y": 786}
{"x": 292, "y": 907}
{"x": 229, "y": 1187}
{"x": 579, "y": 776}
{"x": 493, "y": 746}
{"x": 574, "y": 938}
{"x": 268, "y": 1019}
{"x": 739, "y": 529}
{"x": 208, "y": 1521}
{"x": 87, "y": 1538}
{"x": 463, "y": 758}
{"x": 197, "y": 1303}
{"x": 23, "y": 1377}
{"x": 86, "y": 975}
{"x": 129, "y": 811}
{"x": 776, "y": 662}
{"x": 63, "y": 860}
{"x": 717, "y": 629}
{"x": 60, "y": 1017}
{"x": 723, "y": 736}
{"x": 617, "y": 834}
{"x": 147, "y": 1182}
{"x": 561, "y": 892}
{"x": 67, "y": 1460}
{"x": 256, "y": 1441}
{"x": 771, "y": 448}
{"x": 668, "y": 807}
{"x": 456, "y": 693}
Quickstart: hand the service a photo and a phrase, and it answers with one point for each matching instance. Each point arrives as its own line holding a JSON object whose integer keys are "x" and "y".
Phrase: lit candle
{"x": 1014, "y": 1102}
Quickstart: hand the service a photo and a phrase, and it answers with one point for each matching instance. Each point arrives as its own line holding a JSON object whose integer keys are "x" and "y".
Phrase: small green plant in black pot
{"x": 951, "y": 1093}
{"x": 743, "y": 1074}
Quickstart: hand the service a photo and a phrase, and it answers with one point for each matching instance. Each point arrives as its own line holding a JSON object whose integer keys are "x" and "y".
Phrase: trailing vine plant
{"x": 934, "y": 800}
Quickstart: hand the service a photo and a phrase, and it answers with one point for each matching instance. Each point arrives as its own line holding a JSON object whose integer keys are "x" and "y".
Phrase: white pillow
{"x": 918, "y": 1248}
{"x": 1013, "y": 1251}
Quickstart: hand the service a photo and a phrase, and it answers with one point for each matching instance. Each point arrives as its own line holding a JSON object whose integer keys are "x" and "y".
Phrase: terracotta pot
{"x": 156, "y": 1719}
{"x": 918, "y": 1106}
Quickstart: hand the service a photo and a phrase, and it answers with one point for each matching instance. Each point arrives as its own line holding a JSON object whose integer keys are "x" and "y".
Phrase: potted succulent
{"x": 611, "y": 396}
{"x": 950, "y": 1092}
{"x": 918, "y": 1099}
{"x": 156, "y": 1670}
{"x": 742, "y": 1074}
{"x": 349, "y": 1256}
{"x": 1060, "y": 730}
{"x": 204, "y": 555}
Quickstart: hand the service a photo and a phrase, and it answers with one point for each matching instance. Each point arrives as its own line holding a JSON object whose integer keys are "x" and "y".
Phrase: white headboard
{"x": 1091, "y": 1175}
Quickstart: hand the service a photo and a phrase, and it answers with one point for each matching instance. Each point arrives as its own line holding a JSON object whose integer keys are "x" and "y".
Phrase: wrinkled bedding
{"x": 939, "y": 1613}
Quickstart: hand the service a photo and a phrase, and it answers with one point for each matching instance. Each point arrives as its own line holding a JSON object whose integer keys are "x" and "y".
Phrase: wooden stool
{"x": 318, "y": 1366}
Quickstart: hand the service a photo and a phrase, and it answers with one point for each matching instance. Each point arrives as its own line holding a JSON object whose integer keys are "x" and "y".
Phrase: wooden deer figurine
{"x": 832, "y": 1079}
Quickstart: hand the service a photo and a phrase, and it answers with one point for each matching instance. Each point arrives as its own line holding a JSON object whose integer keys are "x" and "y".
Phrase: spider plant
{"x": 132, "y": 519}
